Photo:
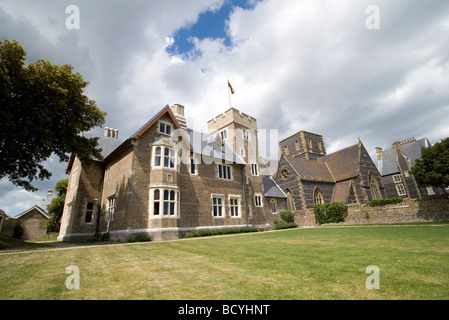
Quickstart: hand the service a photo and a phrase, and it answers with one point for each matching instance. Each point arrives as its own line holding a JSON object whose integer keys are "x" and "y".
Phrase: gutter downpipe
{"x": 244, "y": 193}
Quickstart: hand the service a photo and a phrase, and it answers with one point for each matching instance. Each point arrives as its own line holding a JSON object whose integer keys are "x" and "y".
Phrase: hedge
{"x": 383, "y": 202}
{"x": 330, "y": 212}
{"x": 214, "y": 232}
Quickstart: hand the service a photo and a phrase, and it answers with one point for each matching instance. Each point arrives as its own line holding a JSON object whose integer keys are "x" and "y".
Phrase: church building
{"x": 308, "y": 175}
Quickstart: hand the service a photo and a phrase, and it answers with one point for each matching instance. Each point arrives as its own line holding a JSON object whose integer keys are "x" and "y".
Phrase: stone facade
{"x": 308, "y": 175}
{"x": 33, "y": 223}
{"x": 429, "y": 209}
{"x": 166, "y": 180}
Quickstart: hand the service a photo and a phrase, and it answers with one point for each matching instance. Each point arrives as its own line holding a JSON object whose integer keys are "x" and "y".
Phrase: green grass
{"x": 292, "y": 264}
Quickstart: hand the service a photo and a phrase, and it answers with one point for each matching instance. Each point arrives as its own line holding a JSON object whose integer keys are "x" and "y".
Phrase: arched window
{"x": 290, "y": 201}
{"x": 273, "y": 205}
{"x": 374, "y": 187}
{"x": 317, "y": 196}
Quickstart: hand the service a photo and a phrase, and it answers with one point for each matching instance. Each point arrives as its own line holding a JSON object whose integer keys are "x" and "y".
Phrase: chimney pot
{"x": 106, "y": 132}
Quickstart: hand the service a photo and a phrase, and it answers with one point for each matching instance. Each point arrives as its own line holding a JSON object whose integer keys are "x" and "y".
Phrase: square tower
{"x": 304, "y": 145}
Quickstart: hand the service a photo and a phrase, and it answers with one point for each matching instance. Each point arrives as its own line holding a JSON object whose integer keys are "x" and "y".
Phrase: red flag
{"x": 230, "y": 87}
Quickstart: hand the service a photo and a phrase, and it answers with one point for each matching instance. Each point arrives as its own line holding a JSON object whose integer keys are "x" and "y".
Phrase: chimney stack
{"x": 178, "y": 111}
{"x": 111, "y": 133}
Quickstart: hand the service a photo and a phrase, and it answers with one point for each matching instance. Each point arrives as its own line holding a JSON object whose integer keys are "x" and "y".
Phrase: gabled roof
{"x": 271, "y": 189}
{"x": 344, "y": 164}
{"x": 39, "y": 209}
{"x": 412, "y": 150}
{"x": 311, "y": 170}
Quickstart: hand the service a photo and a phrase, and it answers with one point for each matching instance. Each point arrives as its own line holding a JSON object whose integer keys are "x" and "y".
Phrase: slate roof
{"x": 311, "y": 170}
{"x": 412, "y": 150}
{"x": 344, "y": 164}
{"x": 271, "y": 189}
{"x": 106, "y": 144}
{"x": 39, "y": 209}
{"x": 201, "y": 143}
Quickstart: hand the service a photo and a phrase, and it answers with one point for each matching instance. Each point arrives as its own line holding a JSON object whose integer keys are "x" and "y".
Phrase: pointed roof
{"x": 311, "y": 170}
{"x": 344, "y": 164}
{"x": 39, "y": 209}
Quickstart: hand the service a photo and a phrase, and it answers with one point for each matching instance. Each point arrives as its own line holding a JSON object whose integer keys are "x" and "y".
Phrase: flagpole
{"x": 229, "y": 93}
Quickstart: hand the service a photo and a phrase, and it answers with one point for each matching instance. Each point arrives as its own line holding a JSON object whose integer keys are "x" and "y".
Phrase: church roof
{"x": 344, "y": 164}
{"x": 311, "y": 170}
{"x": 271, "y": 189}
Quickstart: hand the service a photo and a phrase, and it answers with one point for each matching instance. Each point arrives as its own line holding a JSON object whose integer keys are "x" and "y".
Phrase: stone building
{"x": 308, "y": 175}
{"x": 167, "y": 179}
{"x": 33, "y": 223}
{"x": 395, "y": 165}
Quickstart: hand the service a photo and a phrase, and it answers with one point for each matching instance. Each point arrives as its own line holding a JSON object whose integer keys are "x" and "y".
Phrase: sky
{"x": 377, "y": 70}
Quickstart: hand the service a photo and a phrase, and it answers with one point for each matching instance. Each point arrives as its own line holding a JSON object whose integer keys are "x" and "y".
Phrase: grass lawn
{"x": 312, "y": 263}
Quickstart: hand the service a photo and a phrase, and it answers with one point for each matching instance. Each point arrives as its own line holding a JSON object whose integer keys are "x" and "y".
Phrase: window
{"x": 234, "y": 205}
{"x": 286, "y": 150}
{"x": 297, "y": 145}
{"x": 375, "y": 194}
{"x": 254, "y": 169}
{"x": 164, "y": 128}
{"x": 165, "y": 155}
{"x": 157, "y": 157}
{"x": 285, "y": 174}
{"x": 258, "y": 200}
{"x": 156, "y": 202}
{"x": 89, "y": 212}
{"x": 317, "y": 196}
{"x": 273, "y": 205}
{"x": 224, "y": 134}
{"x": 217, "y": 206}
{"x": 224, "y": 172}
{"x": 110, "y": 210}
{"x": 401, "y": 190}
{"x": 193, "y": 169}
{"x": 406, "y": 174}
{"x": 107, "y": 173}
{"x": 319, "y": 145}
{"x": 397, "y": 178}
{"x": 164, "y": 202}
{"x": 310, "y": 143}
{"x": 245, "y": 134}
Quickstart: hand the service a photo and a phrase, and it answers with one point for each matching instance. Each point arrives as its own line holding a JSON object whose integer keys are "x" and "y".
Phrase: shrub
{"x": 330, "y": 212}
{"x": 140, "y": 238}
{"x": 288, "y": 216}
{"x": 211, "y": 232}
{"x": 279, "y": 226}
{"x": 383, "y": 202}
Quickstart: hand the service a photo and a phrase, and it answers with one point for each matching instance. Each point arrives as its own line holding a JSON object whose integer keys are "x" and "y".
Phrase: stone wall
{"x": 432, "y": 209}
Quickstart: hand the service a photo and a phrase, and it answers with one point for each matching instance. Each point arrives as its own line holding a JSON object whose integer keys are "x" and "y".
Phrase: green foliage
{"x": 214, "y": 232}
{"x": 383, "y": 202}
{"x": 288, "y": 216}
{"x": 286, "y": 225}
{"x": 140, "y": 238}
{"x": 43, "y": 111}
{"x": 18, "y": 231}
{"x": 100, "y": 236}
{"x": 330, "y": 212}
{"x": 56, "y": 207}
{"x": 433, "y": 167}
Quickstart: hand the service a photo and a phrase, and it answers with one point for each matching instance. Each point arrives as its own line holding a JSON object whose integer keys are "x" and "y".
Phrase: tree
{"x": 433, "y": 167}
{"x": 56, "y": 206}
{"x": 43, "y": 112}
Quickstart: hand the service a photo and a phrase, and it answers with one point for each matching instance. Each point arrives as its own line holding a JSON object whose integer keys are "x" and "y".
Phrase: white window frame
{"x": 166, "y": 125}
{"x": 397, "y": 178}
{"x": 224, "y": 134}
{"x": 86, "y": 210}
{"x": 401, "y": 189}
{"x": 233, "y": 206}
{"x": 258, "y": 200}
{"x": 195, "y": 164}
{"x": 172, "y": 158}
{"x": 254, "y": 169}
{"x": 218, "y": 205}
{"x": 246, "y": 135}
{"x": 162, "y": 201}
{"x": 111, "y": 206}
{"x": 225, "y": 174}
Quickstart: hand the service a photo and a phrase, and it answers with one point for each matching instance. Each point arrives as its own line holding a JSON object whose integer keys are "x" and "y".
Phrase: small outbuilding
{"x": 33, "y": 223}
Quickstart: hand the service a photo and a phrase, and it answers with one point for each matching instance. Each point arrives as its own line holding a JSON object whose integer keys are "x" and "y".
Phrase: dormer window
{"x": 165, "y": 128}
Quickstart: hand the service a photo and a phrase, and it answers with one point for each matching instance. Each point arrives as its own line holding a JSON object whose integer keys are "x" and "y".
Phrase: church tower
{"x": 304, "y": 145}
